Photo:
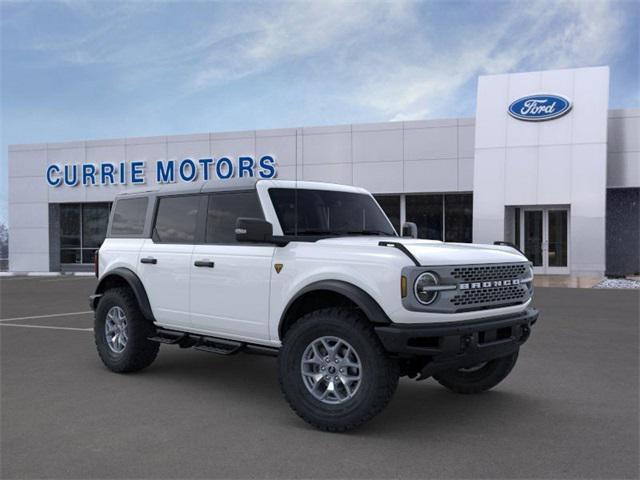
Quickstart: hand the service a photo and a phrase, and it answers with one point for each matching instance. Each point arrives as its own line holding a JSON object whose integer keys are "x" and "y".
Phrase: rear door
{"x": 165, "y": 259}
{"x": 230, "y": 280}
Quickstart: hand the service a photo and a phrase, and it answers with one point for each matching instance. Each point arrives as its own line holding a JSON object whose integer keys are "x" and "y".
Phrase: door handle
{"x": 150, "y": 260}
{"x": 204, "y": 263}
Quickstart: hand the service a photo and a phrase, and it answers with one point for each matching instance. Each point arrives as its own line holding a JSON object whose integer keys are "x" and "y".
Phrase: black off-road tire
{"x": 477, "y": 381}
{"x": 139, "y": 352}
{"x": 379, "y": 372}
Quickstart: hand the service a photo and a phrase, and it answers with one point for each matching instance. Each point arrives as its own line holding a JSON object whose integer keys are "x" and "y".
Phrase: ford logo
{"x": 536, "y": 108}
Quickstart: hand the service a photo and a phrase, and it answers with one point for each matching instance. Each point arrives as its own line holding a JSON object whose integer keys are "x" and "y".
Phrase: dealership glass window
{"x": 391, "y": 206}
{"x": 82, "y": 230}
{"x": 426, "y": 212}
{"x": 445, "y": 217}
{"x": 223, "y": 212}
{"x": 458, "y": 222}
{"x": 176, "y": 219}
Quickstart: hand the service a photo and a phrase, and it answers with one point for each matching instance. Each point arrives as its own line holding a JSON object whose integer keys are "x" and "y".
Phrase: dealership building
{"x": 545, "y": 164}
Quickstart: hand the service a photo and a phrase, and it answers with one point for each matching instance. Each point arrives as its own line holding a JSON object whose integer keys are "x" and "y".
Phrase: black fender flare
{"x": 359, "y": 297}
{"x": 134, "y": 283}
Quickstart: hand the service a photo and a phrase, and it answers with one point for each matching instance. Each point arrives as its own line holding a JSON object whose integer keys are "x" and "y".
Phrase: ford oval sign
{"x": 536, "y": 108}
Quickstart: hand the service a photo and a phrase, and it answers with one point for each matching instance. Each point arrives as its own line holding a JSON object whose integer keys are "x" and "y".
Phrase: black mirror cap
{"x": 254, "y": 230}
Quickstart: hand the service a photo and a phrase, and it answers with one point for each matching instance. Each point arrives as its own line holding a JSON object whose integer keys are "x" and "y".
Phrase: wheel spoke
{"x": 316, "y": 353}
{"x": 328, "y": 348}
{"x": 346, "y": 386}
{"x": 337, "y": 393}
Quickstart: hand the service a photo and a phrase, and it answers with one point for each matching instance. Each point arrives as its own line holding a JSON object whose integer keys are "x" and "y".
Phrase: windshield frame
{"x": 318, "y": 234}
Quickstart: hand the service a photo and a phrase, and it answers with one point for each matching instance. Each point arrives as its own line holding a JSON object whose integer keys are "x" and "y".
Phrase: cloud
{"x": 297, "y": 30}
{"x": 535, "y": 35}
{"x": 401, "y": 60}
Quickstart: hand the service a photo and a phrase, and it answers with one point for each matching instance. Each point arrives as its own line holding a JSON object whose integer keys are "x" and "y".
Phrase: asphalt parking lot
{"x": 568, "y": 410}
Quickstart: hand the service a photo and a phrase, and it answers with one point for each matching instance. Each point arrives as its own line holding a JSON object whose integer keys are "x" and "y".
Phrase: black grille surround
{"x": 474, "y": 287}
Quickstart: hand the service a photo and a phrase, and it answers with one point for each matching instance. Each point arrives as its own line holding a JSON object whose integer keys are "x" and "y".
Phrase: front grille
{"x": 479, "y": 273}
{"x": 466, "y": 288}
{"x": 496, "y": 296}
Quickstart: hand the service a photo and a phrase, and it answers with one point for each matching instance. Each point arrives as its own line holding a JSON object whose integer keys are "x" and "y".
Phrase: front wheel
{"x": 477, "y": 378}
{"x": 333, "y": 371}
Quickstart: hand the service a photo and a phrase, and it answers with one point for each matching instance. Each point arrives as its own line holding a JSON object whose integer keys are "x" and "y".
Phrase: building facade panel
{"x": 377, "y": 146}
{"x": 431, "y": 176}
{"x": 26, "y": 162}
{"x": 623, "y": 169}
{"x": 332, "y": 173}
{"x": 379, "y": 177}
{"x": 521, "y": 176}
{"x": 554, "y": 175}
{"x": 326, "y": 148}
{"x": 465, "y": 174}
{"x": 623, "y": 133}
{"x": 591, "y": 100}
{"x": 430, "y": 143}
{"x": 283, "y": 148}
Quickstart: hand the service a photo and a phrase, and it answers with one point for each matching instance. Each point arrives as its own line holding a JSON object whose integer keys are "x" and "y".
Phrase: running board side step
{"x": 221, "y": 346}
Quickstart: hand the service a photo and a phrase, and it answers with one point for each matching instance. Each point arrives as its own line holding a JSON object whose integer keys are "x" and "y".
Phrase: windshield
{"x": 328, "y": 212}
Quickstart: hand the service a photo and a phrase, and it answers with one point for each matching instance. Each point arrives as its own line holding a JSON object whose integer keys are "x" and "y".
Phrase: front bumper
{"x": 459, "y": 344}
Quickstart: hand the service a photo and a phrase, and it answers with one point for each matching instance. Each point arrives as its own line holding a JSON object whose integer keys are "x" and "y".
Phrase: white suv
{"x": 315, "y": 274}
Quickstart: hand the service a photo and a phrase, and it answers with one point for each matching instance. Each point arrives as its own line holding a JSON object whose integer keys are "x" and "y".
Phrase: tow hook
{"x": 526, "y": 331}
{"x": 465, "y": 341}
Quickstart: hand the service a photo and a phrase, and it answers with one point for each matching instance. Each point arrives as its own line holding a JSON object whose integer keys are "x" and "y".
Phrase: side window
{"x": 129, "y": 216}
{"x": 176, "y": 219}
{"x": 224, "y": 210}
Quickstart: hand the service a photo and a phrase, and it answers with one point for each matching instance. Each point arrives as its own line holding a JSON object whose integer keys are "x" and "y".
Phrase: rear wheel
{"x": 477, "y": 378}
{"x": 333, "y": 371}
{"x": 121, "y": 332}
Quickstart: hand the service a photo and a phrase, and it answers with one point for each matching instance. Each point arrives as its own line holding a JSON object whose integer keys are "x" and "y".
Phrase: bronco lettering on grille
{"x": 491, "y": 284}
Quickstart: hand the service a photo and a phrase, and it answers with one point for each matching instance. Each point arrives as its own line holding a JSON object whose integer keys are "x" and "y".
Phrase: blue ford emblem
{"x": 536, "y": 108}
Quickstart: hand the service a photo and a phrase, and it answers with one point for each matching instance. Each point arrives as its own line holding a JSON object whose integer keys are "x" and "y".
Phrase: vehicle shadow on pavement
{"x": 252, "y": 381}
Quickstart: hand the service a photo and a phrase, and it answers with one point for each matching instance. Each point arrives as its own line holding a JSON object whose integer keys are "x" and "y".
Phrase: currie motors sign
{"x": 540, "y": 107}
{"x": 164, "y": 171}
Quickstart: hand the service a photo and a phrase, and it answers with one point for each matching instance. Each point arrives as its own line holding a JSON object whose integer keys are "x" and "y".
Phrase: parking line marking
{"x": 34, "y": 317}
{"x": 45, "y": 326}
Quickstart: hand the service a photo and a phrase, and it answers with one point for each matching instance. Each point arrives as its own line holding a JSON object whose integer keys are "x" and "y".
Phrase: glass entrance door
{"x": 544, "y": 234}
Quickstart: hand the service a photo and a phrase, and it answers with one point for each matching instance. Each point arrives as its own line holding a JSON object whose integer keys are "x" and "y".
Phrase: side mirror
{"x": 254, "y": 230}
{"x": 409, "y": 229}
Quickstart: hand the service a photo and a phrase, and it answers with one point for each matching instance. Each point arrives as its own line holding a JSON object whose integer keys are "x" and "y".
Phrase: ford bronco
{"x": 316, "y": 275}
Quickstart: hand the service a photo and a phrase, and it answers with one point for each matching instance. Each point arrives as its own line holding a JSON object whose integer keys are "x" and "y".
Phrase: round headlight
{"x": 422, "y": 290}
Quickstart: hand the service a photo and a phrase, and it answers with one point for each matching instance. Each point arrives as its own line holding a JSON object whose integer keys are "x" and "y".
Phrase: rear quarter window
{"x": 176, "y": 219}
{"x": 129, "y": 216}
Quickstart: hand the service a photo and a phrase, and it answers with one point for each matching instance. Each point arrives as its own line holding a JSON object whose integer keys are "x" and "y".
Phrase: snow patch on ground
{"x": 618, "y": 283}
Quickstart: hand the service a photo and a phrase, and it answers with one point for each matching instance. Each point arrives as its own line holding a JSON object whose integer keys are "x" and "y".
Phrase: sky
{"x": 74, "y": 70}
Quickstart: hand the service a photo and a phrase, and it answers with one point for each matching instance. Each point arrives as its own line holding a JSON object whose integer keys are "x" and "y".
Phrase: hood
{"x": 434, "y": 252}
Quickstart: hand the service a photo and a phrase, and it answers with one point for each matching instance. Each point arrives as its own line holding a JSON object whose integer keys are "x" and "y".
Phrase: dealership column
{"x": 553, "y": 163}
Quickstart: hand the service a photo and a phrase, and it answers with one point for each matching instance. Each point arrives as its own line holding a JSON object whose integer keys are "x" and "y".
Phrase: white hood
{"x": 433, "y": 252}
